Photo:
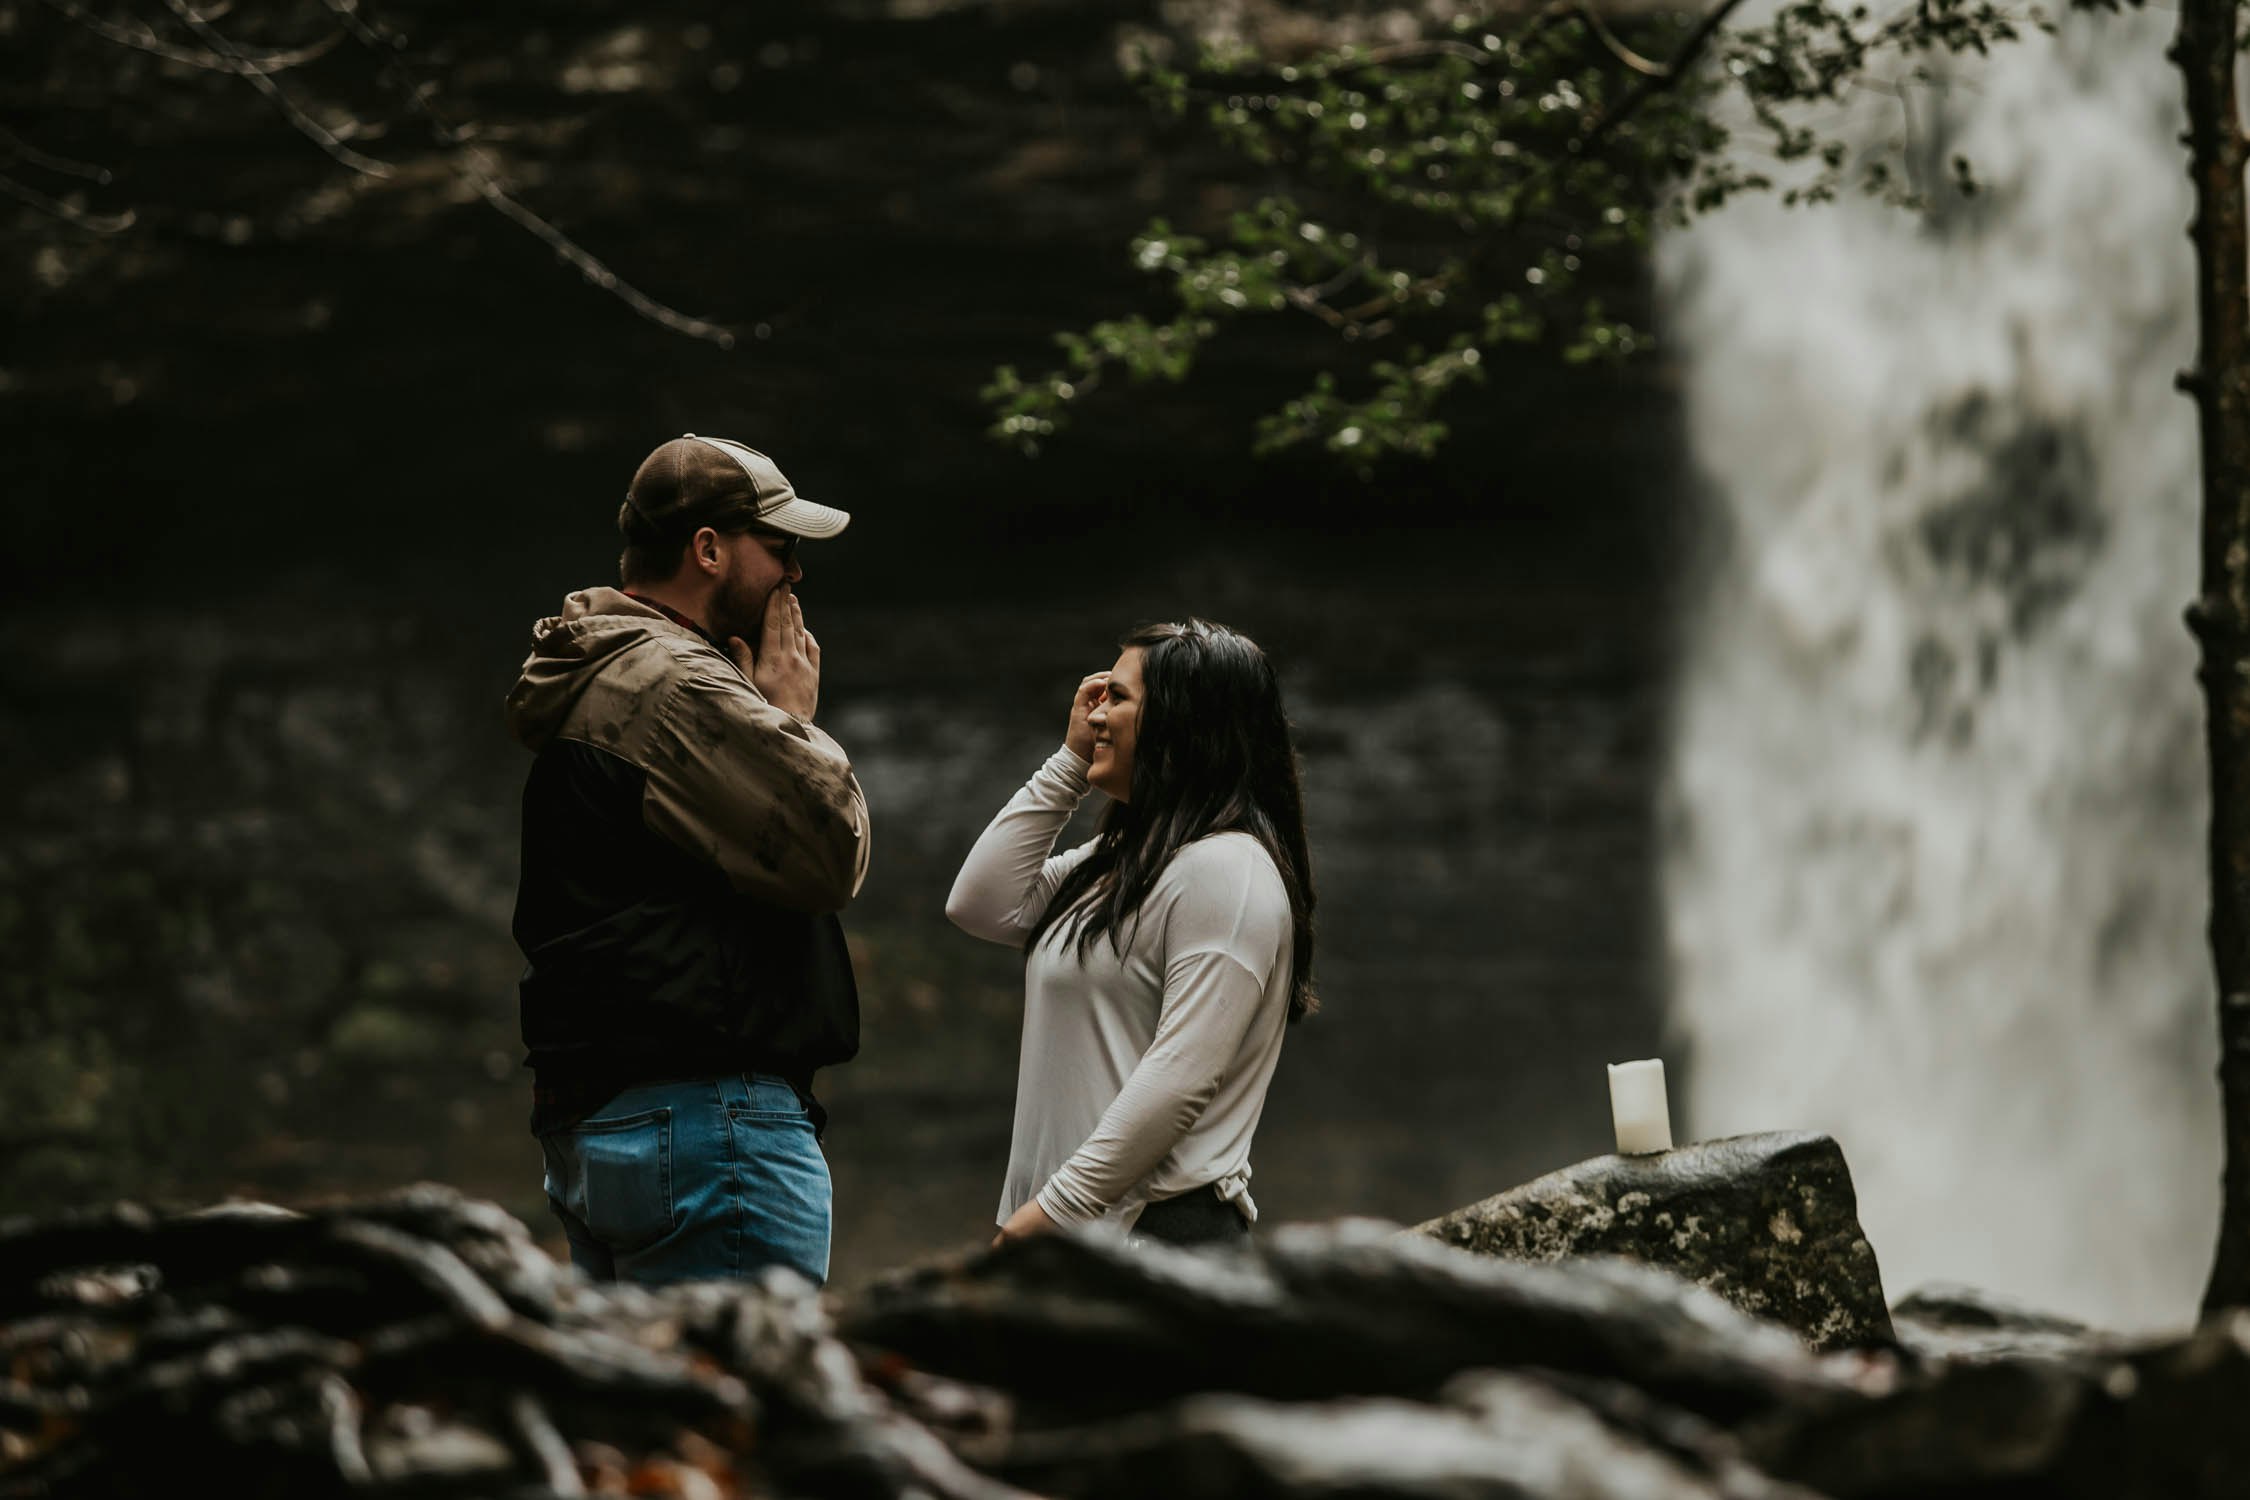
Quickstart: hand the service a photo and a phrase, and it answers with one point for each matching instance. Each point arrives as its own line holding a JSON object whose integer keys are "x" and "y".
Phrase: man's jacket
{"x": 685, "y": 847}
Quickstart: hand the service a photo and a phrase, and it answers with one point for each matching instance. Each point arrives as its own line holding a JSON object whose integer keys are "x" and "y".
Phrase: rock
{"x": 411, "y": 1346}
{"x": 2154, "y": 1420}
{"x": 1769, "y": 1222}
{"x": 1957, "y": 1322}
{"x": 421, "y": 1344}
{"x": 1503, "y": 1436}
{"x": 1315, "y": 1311}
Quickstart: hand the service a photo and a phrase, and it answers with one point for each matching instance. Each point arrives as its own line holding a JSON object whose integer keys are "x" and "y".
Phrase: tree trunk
{"x": 2205, "y": 52}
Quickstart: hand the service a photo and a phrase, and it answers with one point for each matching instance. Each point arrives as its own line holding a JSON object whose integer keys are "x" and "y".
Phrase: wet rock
{"x": 1769, "y": 1222}
{"x": 419, "y": 1345}
{"x": 1959, "y": 1322}
{"x": 1318, "y": 1311}
{"x": 2154, "y": 1420}
{"x": 1508, "y": 1437}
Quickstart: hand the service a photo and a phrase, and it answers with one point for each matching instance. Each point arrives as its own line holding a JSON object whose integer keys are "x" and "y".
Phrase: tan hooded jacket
{"x": 766, "y": 797}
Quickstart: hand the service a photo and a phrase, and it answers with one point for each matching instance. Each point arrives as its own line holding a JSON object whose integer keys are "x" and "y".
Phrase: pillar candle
{"x": 1637, "y": 1106}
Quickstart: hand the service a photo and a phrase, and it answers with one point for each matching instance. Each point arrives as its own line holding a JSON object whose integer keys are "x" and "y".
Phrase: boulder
{"x": 2145, "y": 1419}
{"x": 1495, "y": 1436}
{"x": 420, "y": 1344}
{"x": 1769, "y": 1222}
{"x": 1949, "y": 1321}
{"x": 1312, "y": 1311}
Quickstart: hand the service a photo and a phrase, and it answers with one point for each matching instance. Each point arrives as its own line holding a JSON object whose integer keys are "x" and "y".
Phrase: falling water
{"x": 1935, "y": 803}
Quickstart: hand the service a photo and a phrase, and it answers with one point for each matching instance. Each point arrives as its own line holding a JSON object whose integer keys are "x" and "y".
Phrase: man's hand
{"x": 1078, "y": 737}
{"x": 1025, "y": 1222}
{"x": 786, "y": 666}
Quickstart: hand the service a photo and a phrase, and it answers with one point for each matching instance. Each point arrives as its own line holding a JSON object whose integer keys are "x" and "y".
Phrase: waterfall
{"x": 1935, "y": 802}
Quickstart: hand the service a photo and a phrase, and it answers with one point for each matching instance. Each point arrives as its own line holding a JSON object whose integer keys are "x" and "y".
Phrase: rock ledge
{"x": 1769, "y": 1222}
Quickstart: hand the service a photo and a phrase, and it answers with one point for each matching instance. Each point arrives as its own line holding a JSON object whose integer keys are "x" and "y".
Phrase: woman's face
{"x": 1116, "y": 723}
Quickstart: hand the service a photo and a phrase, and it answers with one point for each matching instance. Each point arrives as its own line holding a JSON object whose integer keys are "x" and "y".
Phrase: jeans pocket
{"x": 616, "y": 1176}
{"x": 769, "y": 1098}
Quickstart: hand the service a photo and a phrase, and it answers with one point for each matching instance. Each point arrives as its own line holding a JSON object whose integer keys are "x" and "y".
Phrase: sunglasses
{"x": 781, "y": 544}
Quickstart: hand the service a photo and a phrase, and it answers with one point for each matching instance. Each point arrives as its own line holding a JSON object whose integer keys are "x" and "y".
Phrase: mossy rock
{"x": 1769, "y": 1222}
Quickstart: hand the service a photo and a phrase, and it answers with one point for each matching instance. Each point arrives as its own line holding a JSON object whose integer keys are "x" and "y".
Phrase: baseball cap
{"x": 695, "y": 481}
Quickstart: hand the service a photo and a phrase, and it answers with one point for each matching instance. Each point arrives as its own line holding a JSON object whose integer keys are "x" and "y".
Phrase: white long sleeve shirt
{"x": 1143, "y": 1071}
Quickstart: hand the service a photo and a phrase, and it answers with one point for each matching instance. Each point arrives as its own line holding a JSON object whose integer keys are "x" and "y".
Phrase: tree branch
{"x": 145, "y": 40}
{"x": 14, "y": 147}
{"x": 1617, "y": 47}
{"x": 1314, "y": 299}
{"x": 1355, "y": 323}
{"x": 1652, "y": 84}
{"x": 310, "y": 128}
{"x": 54, "y": 208}
{"x": 590, "y": 267}
{"x": 466, "y": 161}
{"x": 1644, "y": 88}
{"x": 1383, "y": 57}
{"x": 1653, "y": 79}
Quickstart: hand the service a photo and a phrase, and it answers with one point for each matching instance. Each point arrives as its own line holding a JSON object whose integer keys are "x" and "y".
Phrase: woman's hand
{"x": 1030, "y": 1219}
{"x": 1079, "y": 737}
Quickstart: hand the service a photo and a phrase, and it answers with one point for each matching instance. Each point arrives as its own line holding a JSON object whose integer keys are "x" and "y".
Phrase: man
{"x": 688, "y": 837}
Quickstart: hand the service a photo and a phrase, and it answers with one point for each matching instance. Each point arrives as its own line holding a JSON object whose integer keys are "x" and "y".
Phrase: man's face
{"x": 752, "y": 565}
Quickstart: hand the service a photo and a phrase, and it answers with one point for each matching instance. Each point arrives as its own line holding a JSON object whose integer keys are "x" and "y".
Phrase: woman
{"x": 1164, "y": 957}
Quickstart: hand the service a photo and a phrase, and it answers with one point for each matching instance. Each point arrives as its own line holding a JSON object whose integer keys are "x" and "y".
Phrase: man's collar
{"x": 669, "y": 613}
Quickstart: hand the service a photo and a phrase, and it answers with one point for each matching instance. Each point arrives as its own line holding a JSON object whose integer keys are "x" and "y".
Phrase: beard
{"x": 739, "y": 609}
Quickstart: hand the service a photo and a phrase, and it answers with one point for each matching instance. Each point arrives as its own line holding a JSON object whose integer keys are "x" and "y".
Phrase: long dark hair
{"x": 1212, "y": 755}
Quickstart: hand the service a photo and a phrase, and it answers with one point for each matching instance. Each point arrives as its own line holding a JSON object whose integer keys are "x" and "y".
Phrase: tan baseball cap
{"x": 695, "y": 481}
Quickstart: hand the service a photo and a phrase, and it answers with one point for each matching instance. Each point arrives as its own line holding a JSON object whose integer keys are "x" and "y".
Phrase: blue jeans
{"x": 693, "y": 1181}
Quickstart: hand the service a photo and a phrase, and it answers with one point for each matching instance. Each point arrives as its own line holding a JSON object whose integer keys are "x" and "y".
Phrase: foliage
{"x": 1496, "y": 183}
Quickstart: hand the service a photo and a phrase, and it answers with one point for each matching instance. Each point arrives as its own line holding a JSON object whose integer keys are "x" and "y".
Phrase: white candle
{"x": 1637, "y": 1106}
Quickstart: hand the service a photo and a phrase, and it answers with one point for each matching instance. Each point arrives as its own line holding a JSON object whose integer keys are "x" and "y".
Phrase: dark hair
{"x": 652, "y": 554}
{"x": 650, "y": 561}
{"x": 1212, "y": 754}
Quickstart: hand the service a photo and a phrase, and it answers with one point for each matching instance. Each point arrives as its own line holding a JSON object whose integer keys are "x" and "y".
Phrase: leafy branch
{"x": 1478, "y": 186}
